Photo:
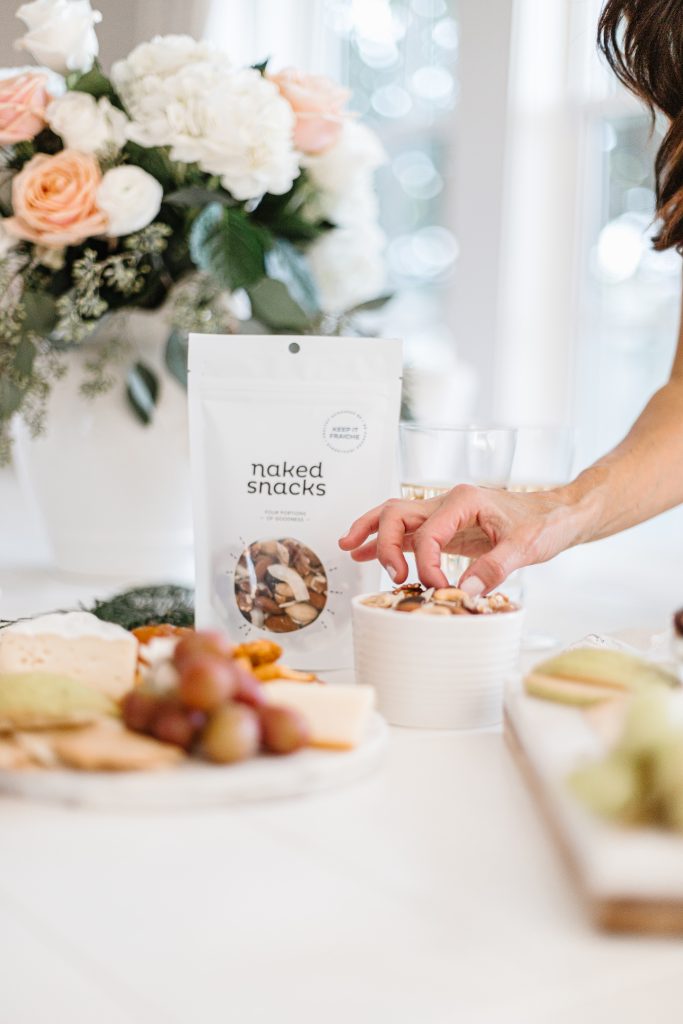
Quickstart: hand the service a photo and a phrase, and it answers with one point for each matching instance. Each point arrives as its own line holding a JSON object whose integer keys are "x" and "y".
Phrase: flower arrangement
{"x": 226, "y": 193}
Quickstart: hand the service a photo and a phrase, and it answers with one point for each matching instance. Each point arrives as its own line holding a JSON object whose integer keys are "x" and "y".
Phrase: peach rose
{"x": 318, "y": 103}
{"x": 55, "y": 200}
{"x": 23, "y": 101}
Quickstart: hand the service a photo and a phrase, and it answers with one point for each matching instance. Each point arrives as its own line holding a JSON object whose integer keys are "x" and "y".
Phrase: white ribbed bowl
{"x": 433, "y": 672}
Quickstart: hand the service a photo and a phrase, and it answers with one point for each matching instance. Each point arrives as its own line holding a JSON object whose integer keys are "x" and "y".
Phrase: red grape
{"x": 175, "y": 724}
{"x": 284, "y": 729}
{"x": 248, "y": 689}
{"x": 138, "y": 709}
{"x": 233, "y": 733}
{"x": 206, "y": 682}
{"x": 202, "y": 642}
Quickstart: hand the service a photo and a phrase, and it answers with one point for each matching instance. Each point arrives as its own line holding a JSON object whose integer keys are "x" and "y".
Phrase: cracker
{"x": 108, "y": 746}
{"x": 12, "y": 755}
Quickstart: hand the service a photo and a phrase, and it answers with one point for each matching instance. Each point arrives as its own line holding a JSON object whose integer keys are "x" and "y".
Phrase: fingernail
{"x": 391, "y": 572}
{"x": 473, "y": 586}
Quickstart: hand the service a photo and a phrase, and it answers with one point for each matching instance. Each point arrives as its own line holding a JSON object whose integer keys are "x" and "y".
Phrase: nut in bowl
{"x": 437, "y": 659}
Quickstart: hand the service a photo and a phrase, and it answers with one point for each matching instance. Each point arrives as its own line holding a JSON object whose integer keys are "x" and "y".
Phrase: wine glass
{"x": 436, "y": 458}
{"x": 543, "y": 459}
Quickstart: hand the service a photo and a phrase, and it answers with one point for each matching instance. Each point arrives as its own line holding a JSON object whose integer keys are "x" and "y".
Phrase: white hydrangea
{"x": 233, "y": 123}
{"x": 158, "y": 59}
{"x": 348, "y": 266}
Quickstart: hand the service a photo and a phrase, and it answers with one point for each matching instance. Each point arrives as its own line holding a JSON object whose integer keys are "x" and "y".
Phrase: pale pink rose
{"x": 23, "y": 101}
{"x": 318, "y": 104}
{"x": 55, "y": 200}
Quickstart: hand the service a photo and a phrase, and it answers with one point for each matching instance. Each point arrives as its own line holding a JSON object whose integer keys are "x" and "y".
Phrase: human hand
{"x": 499, "y": 530}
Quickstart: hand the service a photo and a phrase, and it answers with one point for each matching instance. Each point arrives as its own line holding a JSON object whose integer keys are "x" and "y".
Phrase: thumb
{"x": 490, "y": 570}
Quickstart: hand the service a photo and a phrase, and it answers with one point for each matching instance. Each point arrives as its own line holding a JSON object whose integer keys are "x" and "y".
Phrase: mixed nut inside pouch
{"x": 292, "y": 438}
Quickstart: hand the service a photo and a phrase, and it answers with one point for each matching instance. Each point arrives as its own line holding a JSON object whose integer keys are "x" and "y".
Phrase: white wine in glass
{"x": 421, "y": 492}
{"x": 516, "y": 488}
{"x": 434, "y": 459}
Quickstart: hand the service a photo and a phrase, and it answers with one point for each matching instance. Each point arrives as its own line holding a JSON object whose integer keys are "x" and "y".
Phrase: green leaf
{"x": 370, "y": 305}
{"x": 285, "y": 263}
{"x": 142, "y": 390}
{"x": 297, "y": 228}
{"x": 156, "y": 161}
{"x": 95, "y": 83}
{"x": 283, "y": 214}
{"x": 24, "y": 356}
{"x": 175, "y": 355}
{"x": 198, "y": 196}
{"x": 226, "y": 244}
{"x": 272, "y": 304}
{"x": 11, "y": 397}
{"x": 41, "y": 312}
{"x": 261, "y": 66}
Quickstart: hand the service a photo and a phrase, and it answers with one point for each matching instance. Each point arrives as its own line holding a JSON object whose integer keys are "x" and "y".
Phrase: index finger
{"x": 433, "y": 536}
{"x": 361, "y": 529}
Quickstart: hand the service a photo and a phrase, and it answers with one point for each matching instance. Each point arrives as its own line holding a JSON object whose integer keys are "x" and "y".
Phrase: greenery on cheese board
{"x": 146, "y": 606}
{"x": 142, "y": 606}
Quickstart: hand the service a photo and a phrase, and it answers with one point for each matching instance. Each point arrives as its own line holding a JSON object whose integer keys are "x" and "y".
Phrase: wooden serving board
{"x": 195, "y": 783}
{"x": 630, "y": 879}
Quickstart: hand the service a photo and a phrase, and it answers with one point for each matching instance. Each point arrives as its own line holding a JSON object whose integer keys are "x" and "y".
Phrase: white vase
{"x": 113, "y": 494}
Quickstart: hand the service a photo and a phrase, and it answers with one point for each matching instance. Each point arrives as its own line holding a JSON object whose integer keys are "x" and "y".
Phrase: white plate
{"x": 197, "y": 784}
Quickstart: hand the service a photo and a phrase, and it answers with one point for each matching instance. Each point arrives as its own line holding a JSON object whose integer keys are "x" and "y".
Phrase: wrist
{"x": 583, "y": 503}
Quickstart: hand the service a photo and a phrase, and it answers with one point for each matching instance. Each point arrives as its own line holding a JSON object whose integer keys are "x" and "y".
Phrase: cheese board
{"x": 630, "y": 878}
{"x": 194, "y": 783}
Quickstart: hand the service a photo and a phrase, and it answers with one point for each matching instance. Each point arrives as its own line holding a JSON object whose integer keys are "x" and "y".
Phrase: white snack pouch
{"x": 291, "y": 439}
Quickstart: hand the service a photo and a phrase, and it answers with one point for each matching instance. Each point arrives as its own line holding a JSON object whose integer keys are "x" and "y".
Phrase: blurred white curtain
{"x": 556, "y": 81}
{"x": 537, "y": 307}
{"x": 286, "y": 31}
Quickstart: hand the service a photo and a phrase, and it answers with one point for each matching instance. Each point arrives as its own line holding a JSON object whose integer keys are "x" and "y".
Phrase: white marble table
{"x": 428, "y": 894}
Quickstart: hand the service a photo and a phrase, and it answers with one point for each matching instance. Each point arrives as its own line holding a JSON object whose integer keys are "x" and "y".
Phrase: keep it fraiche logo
{"x": 345, "y": 431}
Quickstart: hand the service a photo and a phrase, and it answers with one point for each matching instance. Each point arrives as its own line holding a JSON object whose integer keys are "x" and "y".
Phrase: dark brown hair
{"x": 643, "y": 43}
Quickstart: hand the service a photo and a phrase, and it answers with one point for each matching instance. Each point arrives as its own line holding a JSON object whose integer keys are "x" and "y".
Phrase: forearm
{"x": 640, "y": 478}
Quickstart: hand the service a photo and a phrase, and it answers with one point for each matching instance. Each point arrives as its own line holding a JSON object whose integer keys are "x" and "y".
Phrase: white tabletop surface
{"x": 428, "y": 894}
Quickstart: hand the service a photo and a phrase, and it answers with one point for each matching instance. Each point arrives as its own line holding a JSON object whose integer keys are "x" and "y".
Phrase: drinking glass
{"x": 436, "y": 458}
{"x": 543, "y": 459}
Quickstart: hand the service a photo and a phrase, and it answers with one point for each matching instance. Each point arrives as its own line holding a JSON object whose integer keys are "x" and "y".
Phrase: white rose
{"x": 87, "y": 124}
{"x": 161, "y": 57}
{"x": 131, "y": 199}
{"x": 348, "y": 266}
{"x": 61, "y": 33}
{"x": 233, "y": 123}
{"x": 358, "y": 152}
